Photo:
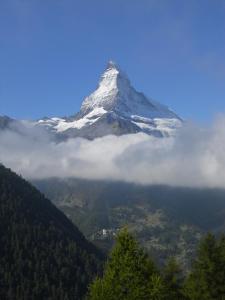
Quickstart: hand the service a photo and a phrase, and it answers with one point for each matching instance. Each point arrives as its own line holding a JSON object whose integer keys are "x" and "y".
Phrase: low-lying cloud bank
{"x": 196, "y": 157}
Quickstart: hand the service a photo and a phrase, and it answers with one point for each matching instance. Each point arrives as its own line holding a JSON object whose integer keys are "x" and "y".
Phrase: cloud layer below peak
{"x": 195, "y": 157}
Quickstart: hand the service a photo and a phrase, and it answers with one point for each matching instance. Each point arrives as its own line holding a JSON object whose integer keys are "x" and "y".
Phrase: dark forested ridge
{"x": 42, "y": 254}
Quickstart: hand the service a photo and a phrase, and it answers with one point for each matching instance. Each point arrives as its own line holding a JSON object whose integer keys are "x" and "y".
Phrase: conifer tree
{"x": 173, "y": 279}
{"x": 129, "y": 274}
{"x": 207, "y": 278}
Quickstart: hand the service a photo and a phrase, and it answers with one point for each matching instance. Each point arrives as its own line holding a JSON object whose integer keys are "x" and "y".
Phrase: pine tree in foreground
{"x": 207, "y": 278}
{"x": 173, "y": 279}
{"x": 129, "y": 274}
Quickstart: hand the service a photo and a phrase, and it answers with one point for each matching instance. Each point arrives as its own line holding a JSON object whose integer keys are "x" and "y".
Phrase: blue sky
{"x": 52, "y": 53}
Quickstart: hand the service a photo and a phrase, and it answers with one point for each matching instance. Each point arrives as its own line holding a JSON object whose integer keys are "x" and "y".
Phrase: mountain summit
{"x": 115, "y": 93}
{"x": 114, "y": 108}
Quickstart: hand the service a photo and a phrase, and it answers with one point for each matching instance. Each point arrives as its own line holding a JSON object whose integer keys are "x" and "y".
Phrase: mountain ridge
{"x": 114, "y": 108}
{"x": 115, "y": 92}
{"x": 43, "y": 255}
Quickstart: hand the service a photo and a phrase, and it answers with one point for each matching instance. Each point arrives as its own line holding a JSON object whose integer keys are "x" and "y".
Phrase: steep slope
{"x": 115, "y": 93}
{"x": 42, "y": 254}
{"x": 166, "y": 220}
{"x": 115, "y": 107}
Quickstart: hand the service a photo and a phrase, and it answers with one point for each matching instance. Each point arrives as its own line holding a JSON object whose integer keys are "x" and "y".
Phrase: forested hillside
{"x": 42, "y": 254}
{"x": 166, "y": 220}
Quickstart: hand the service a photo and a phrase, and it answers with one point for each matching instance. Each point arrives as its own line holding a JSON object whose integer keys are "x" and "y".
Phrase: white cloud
{"x": 196, "y": 157}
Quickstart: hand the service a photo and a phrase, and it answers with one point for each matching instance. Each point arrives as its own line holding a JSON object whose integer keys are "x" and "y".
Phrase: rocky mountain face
{"x": 115, "y": 107}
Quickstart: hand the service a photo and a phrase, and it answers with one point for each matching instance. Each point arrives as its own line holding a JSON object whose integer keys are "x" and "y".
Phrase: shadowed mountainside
{"x": 43, "y": 255}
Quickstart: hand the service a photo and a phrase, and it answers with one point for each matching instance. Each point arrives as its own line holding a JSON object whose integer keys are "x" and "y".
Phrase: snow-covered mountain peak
{"x": 111, "y": 76}
{"x": 115, "y": 93}
{"x": 115, "y": 107}
{"x": 112, "y": 65}
{"x": 111, "y": 84}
